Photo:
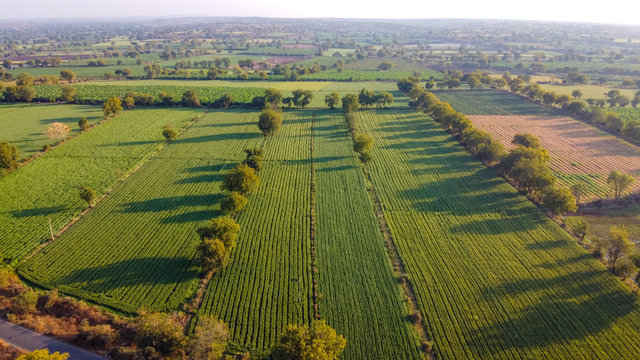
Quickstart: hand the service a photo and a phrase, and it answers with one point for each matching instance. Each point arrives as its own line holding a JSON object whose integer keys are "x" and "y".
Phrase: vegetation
{"x": 317, "y": 341}
{"x": 8, "y": 155}
{"x": 87, "y": 195}
{"x": 112, "y": 107}
{"x": 269, "y": 121}
{"x": 43, "y": 355}
{"x": 619, "y": 182}
{"x": 169, "y": 133}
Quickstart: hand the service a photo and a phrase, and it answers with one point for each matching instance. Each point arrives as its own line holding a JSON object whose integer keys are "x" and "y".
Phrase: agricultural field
{"x": 588, "y": 91}
{"x": 47, "y": 188}
{"x": 491, "y": 102}
{"x": 181, "y": 192}
{"x": 81, "y": 71}
{"x": 268, "y": 283}
{"x": 494, "y": 277}
{"x": 361, "y": 297}
{"x": 600, "y": 221}
{"x": 626, "y": 113}
{"x": 579, "y": 152}
{"x": 24, "y": 125}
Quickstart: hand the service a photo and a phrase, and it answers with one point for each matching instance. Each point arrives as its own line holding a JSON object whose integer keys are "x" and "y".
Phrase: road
{"x": 28, "y": 340}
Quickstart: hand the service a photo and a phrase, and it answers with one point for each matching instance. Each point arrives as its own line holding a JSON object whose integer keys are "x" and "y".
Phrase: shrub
{"x": 159, "y": 331}
{"x": 169, "y": 133}
{"x": 8, "y": 155}
{"x": 83, "y": 124}
{"x": 233, "y": 203}
{"x": 242, "y": 179}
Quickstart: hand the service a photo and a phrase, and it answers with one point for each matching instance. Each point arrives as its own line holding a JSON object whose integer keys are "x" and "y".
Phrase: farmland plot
{"x": 579, "y": 152}
{"x": 268, "y": 282}
{"x": 494, "y": 278}
{"x": 23, "y": 125}
{"x": 137, "y": 248}
{"x": 491, "y": 102}
{"x": 361, "y": 297}
{"x": 47, "y": 188}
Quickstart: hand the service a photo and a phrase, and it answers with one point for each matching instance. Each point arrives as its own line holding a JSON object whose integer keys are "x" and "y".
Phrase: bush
{"x": 87, "y": 194}
{"x": 8, "y": 155}
{"x": 83, "y": 124}
{"x": 233, "y": 203}
{"x": 269, "y": 121}
{"x": 363, "y": 143}
{"x": 317, "y": 341}
{"x": 99, "y": 336}
{"x": 25, "y": 302}
{"x": 209, "y": 340}
{"x": 159, "y": 331}
{"x": 169, "y": 133}
{"x": 242, "y": 179}
{"x": 190, "y": 99}
{"x": 43, "y": 355}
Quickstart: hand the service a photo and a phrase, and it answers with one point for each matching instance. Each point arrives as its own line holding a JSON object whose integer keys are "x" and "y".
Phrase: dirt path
{"x": 28, "y": 340}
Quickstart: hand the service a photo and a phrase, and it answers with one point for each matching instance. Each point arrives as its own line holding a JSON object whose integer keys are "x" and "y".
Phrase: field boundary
{"x": 312, "y": 226}
{"x": 76, "y": 218}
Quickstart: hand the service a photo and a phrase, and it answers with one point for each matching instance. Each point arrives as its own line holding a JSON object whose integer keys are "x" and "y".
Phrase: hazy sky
{"x": 622, "y": 12}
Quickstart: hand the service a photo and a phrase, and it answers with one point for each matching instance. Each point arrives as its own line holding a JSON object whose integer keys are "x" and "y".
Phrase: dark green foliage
{"x": 190, "y": 99}
{"x": 242, "y": 179}
{"x": 83, "y": 123}
{"x": 87, "y": 194}
{"x": 269, "y": 121}
{"x": 8, "y": 155}
{"x": 169, "y": 133}
{"x": 350, "y": 103}
{"x": 233, "y": 203}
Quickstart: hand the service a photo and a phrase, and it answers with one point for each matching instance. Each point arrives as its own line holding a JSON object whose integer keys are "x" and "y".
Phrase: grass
{"x": 47, "y": 188}
{"x": 588, "y": 91}
{"x": 491, "y": 102}
{"x": 494, "y": 277}
{"x": 23, "y": 125}
{"x": 81, "y": 71}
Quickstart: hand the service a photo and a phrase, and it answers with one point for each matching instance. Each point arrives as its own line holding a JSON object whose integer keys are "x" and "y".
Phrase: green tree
{"x": 24, "y": 79}
{"x": 83, "y": 123}
{"x": 559, "y": 200}
{"x": 190, "y": 99}
{"x": 43, "y": 355}
{"x": 209, "y": 339}
{"x": 385, "y": 66}
{"x": 577, "y": 94}
{"x": 112, "y": 107}
{"x": 67, "y": 75}
{"x": 383, "y": 99}
{"x": 87, "y": 194}
{"x": 233, "y": 203}
{"x": 8, "y": 155}
{"x": 222, "y": 228}
{"x": 242, "y": 179}
{"x": 169, "y": 132}
{"x": 350, "y": 103}
{"x": 580, "y": 228}
{"x": 213, "y": 255}
{"x": 366, "y": 97}
{"x": 492, "y": 152}
{"x": 474, "y": 82}
{"x": 363, "y": 143}
{"x": 301, "y": 342}
{"x": 212, "y": 73}
{"x": 68, "y": 92}
{"x": 332, "y": 100}
{"x": 269, "y": 121}
{"x": 526, "y": 140}
{"x": 617, "y": 245}
{"x": 619, "y": 182}
{"x": 254, "y": 158}
{"x": 578, "y": 190}
{"x": 225, "y": 101}
{"x": 129, "y": 102}
{"x": 273, "y": 97}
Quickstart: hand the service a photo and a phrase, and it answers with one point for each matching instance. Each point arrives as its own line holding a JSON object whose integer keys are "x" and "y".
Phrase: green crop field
{"x": 47, "y": 188}
{"x": 181, "y": 191}
{"x": 23, "y": 125}
{"x": 494, "y": 277}
{"x": 361, "y": 297}
{"x": 626, "y": 113}
{"x": 491, "y": 102}
{"x": 81, "y": 71}
{"x": 588, "y": 91}
{"x": 267, "y": 285}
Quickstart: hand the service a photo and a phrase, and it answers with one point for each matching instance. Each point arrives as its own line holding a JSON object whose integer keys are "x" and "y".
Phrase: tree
{"x": 129, "y": 102}
{"x": 209, "y": 339}
{"x": 213, "y": 255}
{"x": 332, "y": 100}
{"x": 383, "y": 99}
{"x": 8, "y": 155}
{"x": 577, "y": 94}
{"x": 273, "y": 97}
{"x": 580, "y": 228}
{"x": 68, "y": 92}
{"x": 617, "y": 245}
{"x": 43, "y": 355}
{"x": 83, "y": 123}
{"x": 366, "y": 97}
{"x": 68, "y": 75}
{"x": 242, "y": 179}
{"x": 363, "y": 143}
{"x": 269, "y": 121}
{"x": 169, "y": 132}
{"x": 619, "y": 182}
{"x": 474, "y": 82}
{"x": 225, "y": 101}
{"x": 162, "y": 332}
{"x": 302, "y": 98}
{"x": 24, "y": 79}
{"x": 350, "y": 103}
{"x": 190, "y": 99}
{"x": 112, "y": 107}
{"x": 385, "y": 66}
{"x": 254, "y": 158}
{"x": 578, "y": 190}
{"x": 526, "y": 140}
{"x": 491, "y": 152}
{"x": 212, "y": 73}
{"x": 58, "y": 131}
{"x": 559, "y": 200}
{"x": 87, "y": 194}
{"x": 233, "y": 203}
{"x": 301, "y": 342}
{"x": 222, "y": 228}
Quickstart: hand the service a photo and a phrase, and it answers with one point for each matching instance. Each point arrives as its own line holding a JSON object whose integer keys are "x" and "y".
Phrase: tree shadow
{"x": 203, "y": 178}
{"x": 47, "y": 210}
{"x": 169, "y": 203}
{"x": 217, "y": 137}
{"x": 132, "y": 272}
{"x": 192, "y": 216}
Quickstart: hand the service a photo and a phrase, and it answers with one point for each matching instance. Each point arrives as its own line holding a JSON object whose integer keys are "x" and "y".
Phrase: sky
{"x": 617, "y": 12}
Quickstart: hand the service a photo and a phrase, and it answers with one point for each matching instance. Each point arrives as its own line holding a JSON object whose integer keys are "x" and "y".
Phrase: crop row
{"x": 491, "y": 102}
{"x": 47, "y": 188}
{"x": 137, "y": 248}
{"x": 493, "y": 276}
{"x": 360, "y": 294}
